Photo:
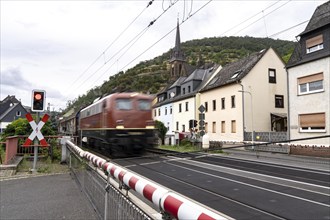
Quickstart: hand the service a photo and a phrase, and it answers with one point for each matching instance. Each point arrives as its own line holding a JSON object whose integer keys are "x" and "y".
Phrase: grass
{"x": 187, "y": 146}
{"x": 44, "y": 165}
{"x": 181, "y": 148}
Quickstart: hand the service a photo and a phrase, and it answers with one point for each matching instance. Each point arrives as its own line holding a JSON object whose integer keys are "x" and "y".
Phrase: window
{"x": 310, "y": 84}
{"x": 144, "y": 105}
{"x": 223, "y": 127}
{"x": 183, "y": 91}
{"x": 279, "y": 101}
{"x": 189, "y": 89}
{"x": 206, "y": 106}
{"x": 177, "y": 125}
{"x": 272, "y": 75}
{"x": 159, "y": 112}
{"x": 18, "y": 113}
{"x": 155, "y": 112}
{"x": 233, "y": 104}
{"x": 165, "y": 110}
{"x": 180, "y": 107}
{"x": 214, "y": 127}
{"x": 171, "y": 110}
{"x": 124, "y": 104}
{"x": 187, "y": 106}
{"x": 206, "y": 127}
{"x": 183, "y": 128}
{"x": 314, "y": 44}
{"x": 233, "y": 126}
{"x": 312, "y": 122}
{"x": 214, "y": 102}
{"x": 223, "y": 101}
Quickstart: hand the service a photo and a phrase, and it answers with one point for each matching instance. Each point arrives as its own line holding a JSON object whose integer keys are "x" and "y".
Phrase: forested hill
{"x": 152, "y": 75}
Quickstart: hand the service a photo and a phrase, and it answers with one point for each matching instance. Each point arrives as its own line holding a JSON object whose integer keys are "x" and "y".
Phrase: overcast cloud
{"x": 50, "y": 44}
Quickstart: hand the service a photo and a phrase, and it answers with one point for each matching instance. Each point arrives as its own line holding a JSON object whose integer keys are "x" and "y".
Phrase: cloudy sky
{"x": 68, "y": 47}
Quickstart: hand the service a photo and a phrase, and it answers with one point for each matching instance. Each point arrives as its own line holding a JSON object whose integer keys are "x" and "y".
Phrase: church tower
{"x": 177, "y": 60}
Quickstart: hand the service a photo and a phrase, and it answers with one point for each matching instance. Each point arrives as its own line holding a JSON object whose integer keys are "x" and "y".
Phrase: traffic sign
{"x": 201, "y": 108}
{"x": 36, "y": 130}
{"x": 201, "y": 116}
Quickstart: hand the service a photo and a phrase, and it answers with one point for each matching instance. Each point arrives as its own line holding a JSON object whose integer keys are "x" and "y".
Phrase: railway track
{"x": 228, "y": 189}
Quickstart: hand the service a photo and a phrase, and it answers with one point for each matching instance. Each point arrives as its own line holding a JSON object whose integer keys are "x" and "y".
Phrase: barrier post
{"x": 63, "y": 143}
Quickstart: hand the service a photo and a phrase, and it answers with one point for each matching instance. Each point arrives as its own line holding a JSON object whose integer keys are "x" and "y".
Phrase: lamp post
{"x": 242, "y": 91}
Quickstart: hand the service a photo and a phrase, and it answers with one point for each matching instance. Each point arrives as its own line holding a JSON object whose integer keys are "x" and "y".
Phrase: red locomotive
{"x": 119, "y": 124}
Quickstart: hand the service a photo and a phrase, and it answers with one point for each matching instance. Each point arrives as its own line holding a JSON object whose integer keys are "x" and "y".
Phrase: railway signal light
{"x": 38, "y": 100}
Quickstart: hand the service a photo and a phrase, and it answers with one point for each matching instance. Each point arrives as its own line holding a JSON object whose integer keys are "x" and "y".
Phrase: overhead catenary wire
{"x": 248, "y": 19}
{"x": 262, "y": 17}
{"x": 130, "y": 44}
{"x": 151, "y": 23}
{"x": 164, "y": 36}
{"x": 108, "y": 47}
{"x": 134, "y": 40}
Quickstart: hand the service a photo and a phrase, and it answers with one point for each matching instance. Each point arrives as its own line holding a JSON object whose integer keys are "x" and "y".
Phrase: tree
{"x": 21, "y": 127}
{"x": 161, "y": 130}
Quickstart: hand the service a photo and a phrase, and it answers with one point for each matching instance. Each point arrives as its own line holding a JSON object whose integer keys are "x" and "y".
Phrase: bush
{"x": 185, "y": 142}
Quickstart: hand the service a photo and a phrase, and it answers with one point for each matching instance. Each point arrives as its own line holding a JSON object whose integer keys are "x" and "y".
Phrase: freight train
{"x": 118, "y": 125}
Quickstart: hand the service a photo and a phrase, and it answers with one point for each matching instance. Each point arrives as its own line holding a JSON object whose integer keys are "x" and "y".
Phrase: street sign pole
{"x": 35, "y": 142}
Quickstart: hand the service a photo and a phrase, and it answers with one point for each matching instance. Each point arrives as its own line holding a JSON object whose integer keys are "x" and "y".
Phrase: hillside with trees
{"x": 152, "y": 75}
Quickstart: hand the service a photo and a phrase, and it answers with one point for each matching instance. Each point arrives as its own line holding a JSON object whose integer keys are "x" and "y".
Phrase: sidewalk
{"x": 307, "y": 162}
{"x": 54, "y": 196}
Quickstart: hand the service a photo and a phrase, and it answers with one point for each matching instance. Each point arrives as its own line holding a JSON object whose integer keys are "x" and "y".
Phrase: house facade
{"x": 11, "y": 109}
{"x": 308, "y": 73}
{"x": 245, "y": 96}
{"x": 178, "y": 104}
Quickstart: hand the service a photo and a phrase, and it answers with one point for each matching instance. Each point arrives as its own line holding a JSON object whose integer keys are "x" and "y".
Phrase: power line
{"x": 134, "y": 40}
{"x": 165, "y": 35}
{"x": 107, "y": 48}
{"x": 237, "y": 25}
{"x": 263, "y": 17}
{"x": 280, "y": 32}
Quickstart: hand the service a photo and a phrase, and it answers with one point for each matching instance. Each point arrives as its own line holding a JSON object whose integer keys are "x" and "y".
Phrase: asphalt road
{"x": 242, "y": 189}
{"x": 44, "y": 197}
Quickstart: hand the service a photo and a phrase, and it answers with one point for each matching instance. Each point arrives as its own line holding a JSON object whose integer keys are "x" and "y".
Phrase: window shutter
{"x": 312, "y": 120}
{"x": 310, "y": 78}
{"x": 314, "y": 41}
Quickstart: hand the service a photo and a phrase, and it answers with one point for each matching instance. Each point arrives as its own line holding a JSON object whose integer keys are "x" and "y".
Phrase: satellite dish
{"x": 172, "y": 94}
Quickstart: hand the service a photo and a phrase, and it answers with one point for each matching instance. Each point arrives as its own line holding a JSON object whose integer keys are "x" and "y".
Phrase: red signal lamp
{"x": 38, "y": 100}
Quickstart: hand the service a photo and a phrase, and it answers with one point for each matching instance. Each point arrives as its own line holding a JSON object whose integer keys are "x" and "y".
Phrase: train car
{"x": 118, "y": 125}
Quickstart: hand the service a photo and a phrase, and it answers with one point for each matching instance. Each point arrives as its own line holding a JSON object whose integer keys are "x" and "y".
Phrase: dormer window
{"x": 314, "y": 44}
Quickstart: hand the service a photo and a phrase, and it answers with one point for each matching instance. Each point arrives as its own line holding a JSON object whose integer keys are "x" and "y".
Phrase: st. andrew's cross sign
{"x": 36, "y": 130}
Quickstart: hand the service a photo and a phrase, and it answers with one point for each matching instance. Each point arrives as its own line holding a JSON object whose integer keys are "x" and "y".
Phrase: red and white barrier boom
{"x": 170, "y": 202}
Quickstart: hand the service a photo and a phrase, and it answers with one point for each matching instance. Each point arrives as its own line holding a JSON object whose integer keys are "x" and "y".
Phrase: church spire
{"x": 177, "y": 53}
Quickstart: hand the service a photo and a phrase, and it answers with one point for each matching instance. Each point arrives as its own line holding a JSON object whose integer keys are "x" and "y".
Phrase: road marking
{"x": 250, "y": 185}
{"x": 230, "y": 171}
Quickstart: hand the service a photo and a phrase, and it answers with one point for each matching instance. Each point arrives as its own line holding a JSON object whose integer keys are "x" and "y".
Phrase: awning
{"x": 281, "y": 115}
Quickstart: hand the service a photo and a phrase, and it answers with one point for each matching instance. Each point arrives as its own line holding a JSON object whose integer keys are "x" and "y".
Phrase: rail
{"x": 169, "y": 203}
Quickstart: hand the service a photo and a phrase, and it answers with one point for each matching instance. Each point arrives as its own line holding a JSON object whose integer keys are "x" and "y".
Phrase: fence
{"x": 14, "y": 147}
{"x": 108, "y": 202}
{"x": 170, "y": 204}
{"x": 266, "y": 136}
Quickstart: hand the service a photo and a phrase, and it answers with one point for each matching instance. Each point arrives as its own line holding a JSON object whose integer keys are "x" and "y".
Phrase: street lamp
{"x": 242, "y": 91}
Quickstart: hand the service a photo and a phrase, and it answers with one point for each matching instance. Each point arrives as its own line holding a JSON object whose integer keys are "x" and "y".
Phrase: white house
{"x": 309, "y": 81}
{"x": 245, "y": 96}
